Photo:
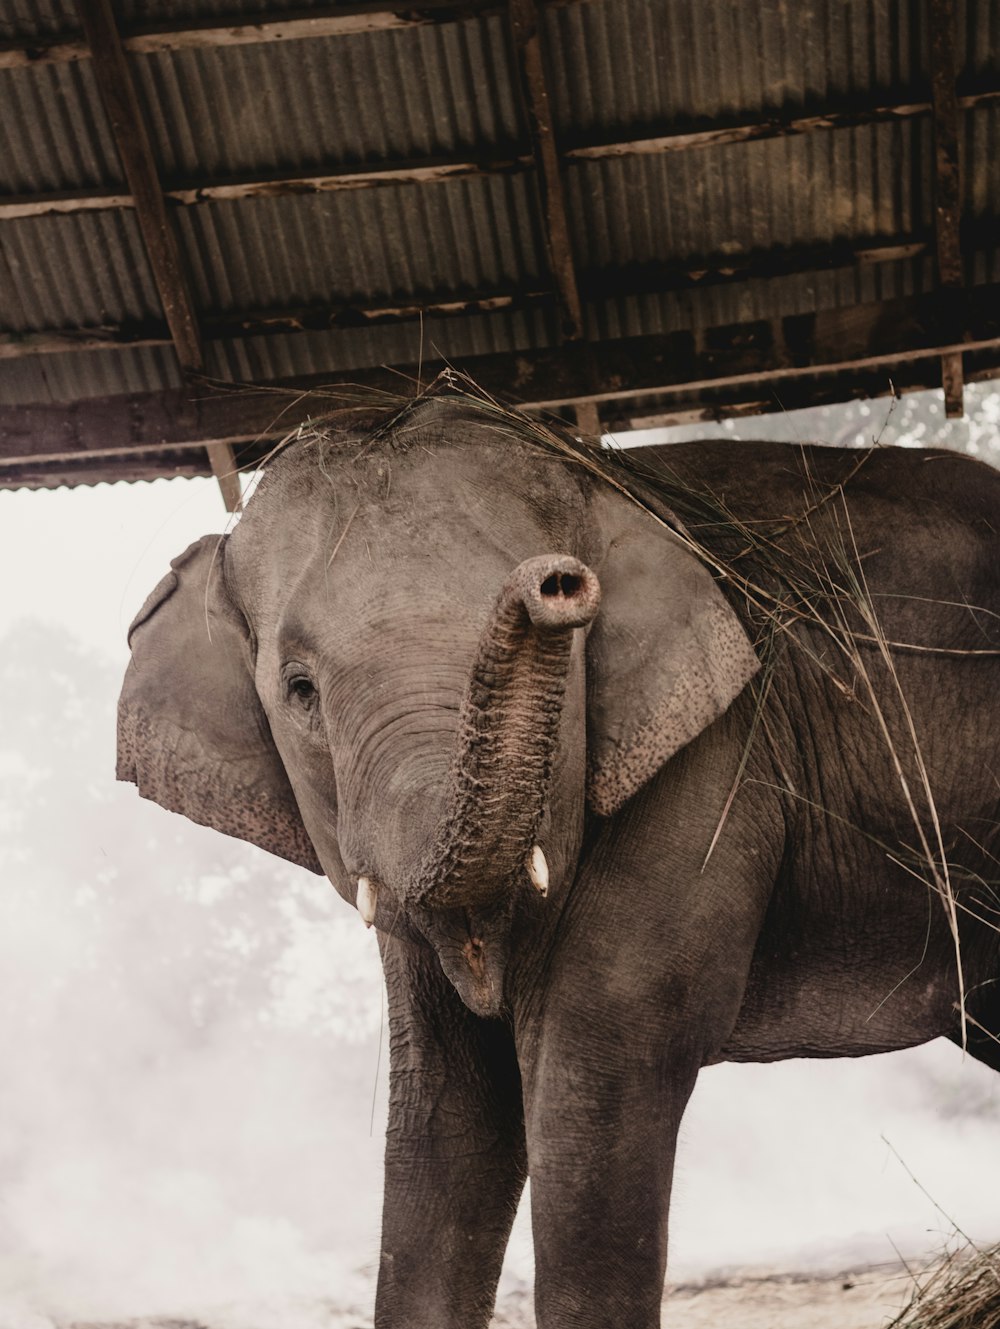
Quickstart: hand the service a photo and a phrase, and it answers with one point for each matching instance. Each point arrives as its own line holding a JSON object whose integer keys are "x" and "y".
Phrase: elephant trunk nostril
{"x": 565, "y": 584}
{"x": 557, "y": 591}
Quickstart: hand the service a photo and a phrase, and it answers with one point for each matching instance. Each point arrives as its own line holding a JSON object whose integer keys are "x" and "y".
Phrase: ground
{"x": 854, "y": 1299}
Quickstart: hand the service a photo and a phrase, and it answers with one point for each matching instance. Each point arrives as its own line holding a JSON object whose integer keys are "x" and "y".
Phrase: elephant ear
{"x": 192, "y": 734}
{"x": 665, "y": 657}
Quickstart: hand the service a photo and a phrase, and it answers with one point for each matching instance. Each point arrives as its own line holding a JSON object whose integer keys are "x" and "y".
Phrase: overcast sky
{"x": 191, "y": 1029}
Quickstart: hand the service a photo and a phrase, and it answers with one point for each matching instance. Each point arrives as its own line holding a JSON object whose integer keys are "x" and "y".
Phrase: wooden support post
{"x": 114, "y": 82}
{"x": 588, "y": 419}
{"x": 947, "y": 193}
{"x": 223, "y": 463}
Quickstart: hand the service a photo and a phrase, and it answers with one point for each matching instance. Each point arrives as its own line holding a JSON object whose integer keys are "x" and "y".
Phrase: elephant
{"x": 637, "y": 761}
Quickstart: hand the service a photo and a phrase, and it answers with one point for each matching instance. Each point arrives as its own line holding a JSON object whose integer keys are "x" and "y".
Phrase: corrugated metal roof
{"x": 368, "y": 246}
{"x": 54, "y": 131}
{"x": 428, "y": 90}
{"x": 641, "y": 61}
{"x": 70, "y": 378}
{"x": 27, "y": 18}
{"x": 74, "y": 271}
{"x": 740, "y": 196}
{"x": 451, "y": 91}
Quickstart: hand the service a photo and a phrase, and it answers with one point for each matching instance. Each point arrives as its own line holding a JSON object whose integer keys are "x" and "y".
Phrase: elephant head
{"x": 415, "y": 660}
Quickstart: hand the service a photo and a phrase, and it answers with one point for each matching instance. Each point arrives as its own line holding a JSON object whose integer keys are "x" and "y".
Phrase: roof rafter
{"x": 128, "y": 128}
{"x": 524, "y": 22}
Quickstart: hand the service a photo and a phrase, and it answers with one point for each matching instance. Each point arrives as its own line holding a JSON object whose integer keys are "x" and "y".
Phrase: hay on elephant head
{"x": 961, "y": 1291}
{"x": 792, "y": 577}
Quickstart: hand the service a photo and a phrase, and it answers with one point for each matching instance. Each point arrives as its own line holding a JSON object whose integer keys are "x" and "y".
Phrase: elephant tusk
{"x": 538, "y": 870}
{"x": 367, "y": 900}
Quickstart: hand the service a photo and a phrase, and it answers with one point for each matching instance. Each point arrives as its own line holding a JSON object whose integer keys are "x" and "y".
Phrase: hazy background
{"x": 192, "y": 1098}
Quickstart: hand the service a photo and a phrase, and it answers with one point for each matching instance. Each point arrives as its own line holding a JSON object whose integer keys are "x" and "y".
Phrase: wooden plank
{"x": 254, "y": 29}
{"x": 495, "y": 161}
{"x": 276, "y": 184}
{"x": 654, "y": 278}
{"x": 64, "y": 341}
{"x": 947, "y": 187}
{"x": 867, "y": 345}
{"x": 60, "y": 202}
{"x": 524, "y": 21}
{"x": 269, "y": 322}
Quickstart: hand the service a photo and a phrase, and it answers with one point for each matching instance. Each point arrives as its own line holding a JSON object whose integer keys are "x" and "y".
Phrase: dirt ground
{"x": 865, "y": 1299}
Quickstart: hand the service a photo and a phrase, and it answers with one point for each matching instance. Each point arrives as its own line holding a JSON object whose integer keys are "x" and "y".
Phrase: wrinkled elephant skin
{"x": 621, "y": 796}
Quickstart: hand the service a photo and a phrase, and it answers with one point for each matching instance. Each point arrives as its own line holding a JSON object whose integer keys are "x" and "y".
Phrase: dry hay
{"x": 960, "y": 1291}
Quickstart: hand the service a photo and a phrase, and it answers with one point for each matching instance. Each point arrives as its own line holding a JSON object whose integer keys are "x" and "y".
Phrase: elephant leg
{"x": 642, "y": 987}
{"x": 601, "y": 1160}
{"x": 455, "y": 1155}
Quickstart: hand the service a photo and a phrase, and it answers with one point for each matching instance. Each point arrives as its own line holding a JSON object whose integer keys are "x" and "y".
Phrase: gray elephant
{"x": 636, "y": 762}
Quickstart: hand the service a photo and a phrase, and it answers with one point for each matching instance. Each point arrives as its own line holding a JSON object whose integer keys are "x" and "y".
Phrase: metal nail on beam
{"x": 114, "y": 83}
{"x": 947, "y": 191}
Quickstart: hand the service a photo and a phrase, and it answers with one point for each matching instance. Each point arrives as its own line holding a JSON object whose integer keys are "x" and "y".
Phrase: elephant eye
{"x": 302, "y": 688}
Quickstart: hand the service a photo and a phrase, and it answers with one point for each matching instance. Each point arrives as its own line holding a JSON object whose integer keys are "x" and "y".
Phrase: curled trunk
{"x": 508, "y": 733}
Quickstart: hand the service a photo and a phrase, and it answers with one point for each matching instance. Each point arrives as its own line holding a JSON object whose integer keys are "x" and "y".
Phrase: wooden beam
{"x": 277, "y": 184}
{"x": 492, "y": 161}
{"x": 654, "y": 278}
{"x": 947, "y": 189}
{"x": 128, "y": 127}
{"x": 654, "y": 140}
{"x": 524, "y": 21}
{"x": 866, "y": 347}
{"x": 320, "y": 317}
{"x": 705, "y": 407}
{"x": 254, "y": 29}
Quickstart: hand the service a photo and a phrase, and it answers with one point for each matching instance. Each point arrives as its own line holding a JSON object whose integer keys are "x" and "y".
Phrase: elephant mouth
{"x": 473, "y": 946}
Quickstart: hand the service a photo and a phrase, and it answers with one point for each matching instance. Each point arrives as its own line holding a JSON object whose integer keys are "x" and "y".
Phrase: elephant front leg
{"x": 455, "y": 1154}
{"x": 602, "y": 1131}
{"x": 642, "y": 986}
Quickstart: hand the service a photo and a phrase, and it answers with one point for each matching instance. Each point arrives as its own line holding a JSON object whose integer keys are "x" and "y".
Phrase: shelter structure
{"x": 640, "y": 211}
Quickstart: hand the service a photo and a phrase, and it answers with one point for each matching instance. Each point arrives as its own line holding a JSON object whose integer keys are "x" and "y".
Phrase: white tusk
{"x": 538, "y": 870}
{"x": 367, "y": 900}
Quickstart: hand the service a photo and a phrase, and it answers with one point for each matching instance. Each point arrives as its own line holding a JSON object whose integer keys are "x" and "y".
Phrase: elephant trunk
{"x": 508, "y": 732}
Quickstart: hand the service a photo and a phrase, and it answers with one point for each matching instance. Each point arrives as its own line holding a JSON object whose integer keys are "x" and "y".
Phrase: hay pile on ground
{"x": 962, "y": 1291}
